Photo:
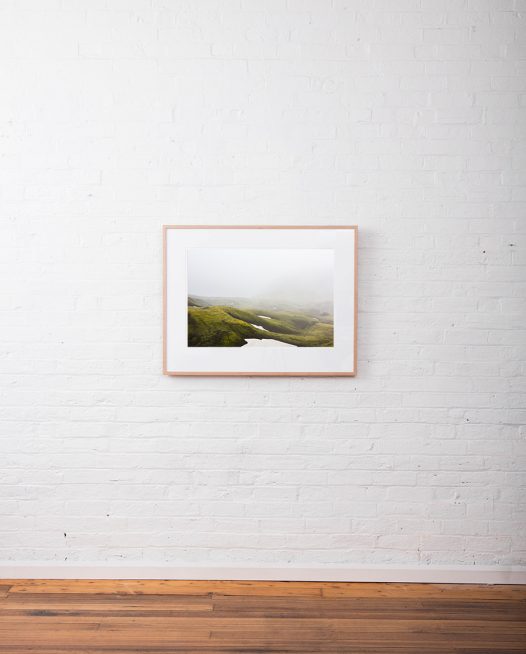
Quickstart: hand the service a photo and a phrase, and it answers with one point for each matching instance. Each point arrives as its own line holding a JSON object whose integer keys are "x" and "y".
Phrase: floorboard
{"x": 242, "y": 617}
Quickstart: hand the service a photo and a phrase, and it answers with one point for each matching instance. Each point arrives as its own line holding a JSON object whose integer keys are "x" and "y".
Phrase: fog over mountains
{"x": 320, "y": 308}
{"x": 277, "y": 277}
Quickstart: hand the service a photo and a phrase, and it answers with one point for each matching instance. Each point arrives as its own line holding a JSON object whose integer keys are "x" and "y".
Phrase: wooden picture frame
{"x": 214, "y": 238}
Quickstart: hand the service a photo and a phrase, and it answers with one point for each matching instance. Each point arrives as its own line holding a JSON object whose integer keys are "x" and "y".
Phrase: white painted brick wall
{"x": 406, "y": 117}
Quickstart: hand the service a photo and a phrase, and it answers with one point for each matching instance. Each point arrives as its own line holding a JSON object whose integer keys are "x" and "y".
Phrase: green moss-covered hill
{"x": 227, "y": 326}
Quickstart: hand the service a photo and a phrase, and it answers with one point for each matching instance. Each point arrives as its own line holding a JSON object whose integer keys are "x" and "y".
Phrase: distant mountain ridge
{"x": 314, "y": 308}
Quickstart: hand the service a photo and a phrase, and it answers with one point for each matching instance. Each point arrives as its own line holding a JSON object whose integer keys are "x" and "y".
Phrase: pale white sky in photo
{"x": 284, "y": 274}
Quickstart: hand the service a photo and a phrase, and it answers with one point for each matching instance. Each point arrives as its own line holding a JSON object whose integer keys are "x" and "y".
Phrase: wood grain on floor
{"x": 233, "y": 617}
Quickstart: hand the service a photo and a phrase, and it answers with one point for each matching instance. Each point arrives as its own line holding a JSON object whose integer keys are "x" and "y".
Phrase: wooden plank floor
{"x": 204, "y": 617}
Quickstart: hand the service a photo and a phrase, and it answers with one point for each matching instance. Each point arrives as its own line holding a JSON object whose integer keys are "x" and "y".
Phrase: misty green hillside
{"x": 227, "y": 326}
{"x": 316, "y": 309}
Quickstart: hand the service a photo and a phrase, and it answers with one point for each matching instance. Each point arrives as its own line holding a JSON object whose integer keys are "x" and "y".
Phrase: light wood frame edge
{"x": 175, "y": 373}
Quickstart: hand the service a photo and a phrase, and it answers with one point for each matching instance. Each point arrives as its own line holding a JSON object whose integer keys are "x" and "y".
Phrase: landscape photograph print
{"x": 260, "y": 297}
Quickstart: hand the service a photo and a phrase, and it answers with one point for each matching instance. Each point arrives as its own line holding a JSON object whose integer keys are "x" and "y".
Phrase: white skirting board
{"x": 414, "y": 574}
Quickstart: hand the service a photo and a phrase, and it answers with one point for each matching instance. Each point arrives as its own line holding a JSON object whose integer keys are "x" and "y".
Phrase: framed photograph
{"x": 260, "y": 300}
